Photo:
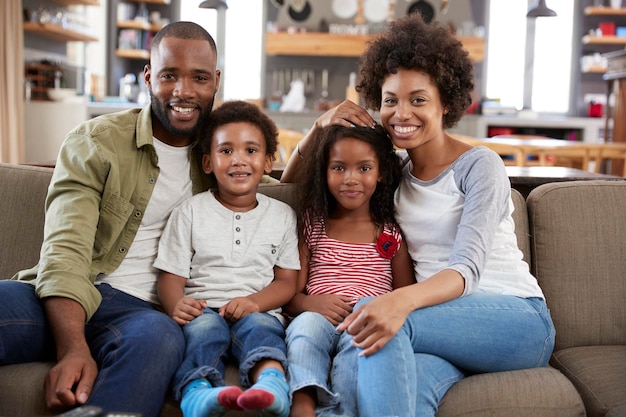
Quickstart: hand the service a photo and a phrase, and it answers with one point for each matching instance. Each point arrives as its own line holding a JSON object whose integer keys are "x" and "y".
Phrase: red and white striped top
{"x": 356, "y": 270}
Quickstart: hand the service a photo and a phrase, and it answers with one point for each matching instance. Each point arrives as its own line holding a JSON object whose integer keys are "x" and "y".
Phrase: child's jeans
{"x": 211, "y": 340}
{"x": 318, "y": 354}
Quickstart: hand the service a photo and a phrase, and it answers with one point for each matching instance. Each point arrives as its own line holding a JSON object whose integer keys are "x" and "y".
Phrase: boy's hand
{"x": 187, "y": 309}
{"x": 237, "y": 308}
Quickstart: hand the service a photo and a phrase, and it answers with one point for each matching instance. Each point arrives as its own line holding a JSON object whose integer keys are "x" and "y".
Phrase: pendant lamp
{"x": 213, "y": 4}
{"x": 540, "y": 10}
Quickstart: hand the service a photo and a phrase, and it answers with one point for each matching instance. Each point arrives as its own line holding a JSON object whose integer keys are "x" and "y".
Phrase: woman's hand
{"x": 374, "y": 323}
{"x": 346, "y": 114}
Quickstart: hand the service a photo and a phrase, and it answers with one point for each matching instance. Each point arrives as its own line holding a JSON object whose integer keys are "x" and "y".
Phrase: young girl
{"x": 350, "y": 248}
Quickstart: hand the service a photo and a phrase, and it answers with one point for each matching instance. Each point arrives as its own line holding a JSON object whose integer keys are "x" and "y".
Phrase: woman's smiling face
{"x": 411, "y": 109}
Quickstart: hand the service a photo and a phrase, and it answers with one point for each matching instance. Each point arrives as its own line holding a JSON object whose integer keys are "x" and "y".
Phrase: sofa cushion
{"x": 22, "y": 392}
{"x": 578, "y": 242}
{"x": 520, "y": 217}
{"x": 23, "y": 190}
{"x": 540, "y": 392}
{"x": 599, "y": 375}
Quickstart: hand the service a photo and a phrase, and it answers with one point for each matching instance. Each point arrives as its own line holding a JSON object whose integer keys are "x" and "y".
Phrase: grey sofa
{"x": 573, "y": 234}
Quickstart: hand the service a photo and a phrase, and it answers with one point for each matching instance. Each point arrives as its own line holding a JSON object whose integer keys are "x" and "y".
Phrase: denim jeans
{"x": 137, "y": 348}
{"x": 211, "y": 340}
{"x": 319, "y": 356}
{"x": 439, "y": 345}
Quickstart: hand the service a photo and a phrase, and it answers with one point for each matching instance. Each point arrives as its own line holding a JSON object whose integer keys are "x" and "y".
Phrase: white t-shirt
{"x": 136, "y": 274}
{"x": 462, "y": 220}
{"x": 226, "y": 254}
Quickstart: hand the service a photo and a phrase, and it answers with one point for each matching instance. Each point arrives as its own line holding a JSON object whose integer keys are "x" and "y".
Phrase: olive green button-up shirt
{"x": 104, "y": 176}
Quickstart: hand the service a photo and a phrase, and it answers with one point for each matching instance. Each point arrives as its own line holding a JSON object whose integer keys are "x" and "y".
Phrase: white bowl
{"x": 60, "y": 94}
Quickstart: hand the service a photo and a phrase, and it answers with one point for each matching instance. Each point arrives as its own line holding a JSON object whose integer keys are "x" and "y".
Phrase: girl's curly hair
{"x": 314, "y": 196}
{"x": 410, "y": 43}
{"x": 236, "y": 111}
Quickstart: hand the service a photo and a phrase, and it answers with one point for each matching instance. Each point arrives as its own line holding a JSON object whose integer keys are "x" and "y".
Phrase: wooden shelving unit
{"x": 336, "y": 45}
{"x": 41, "y": 77}
{"x": 138, "y": 24}
{"x": 604, "y": 11}
{"x": 132, "y": 53}
{"x": 150, "y": 1}
{"x": 604, "y": 40}
{"x": 78, "y": 2}
{"x": 57, "y": 32}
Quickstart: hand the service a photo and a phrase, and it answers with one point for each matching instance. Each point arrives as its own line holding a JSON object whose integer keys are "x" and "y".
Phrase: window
{"x": 243, "y": 52}
{"x": 545, "y": 86}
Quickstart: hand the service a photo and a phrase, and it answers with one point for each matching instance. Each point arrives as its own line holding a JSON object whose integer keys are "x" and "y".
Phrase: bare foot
{"x": 303, "y": 404}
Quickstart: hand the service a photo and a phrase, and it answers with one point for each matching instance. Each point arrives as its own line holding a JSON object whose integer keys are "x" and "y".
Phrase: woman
{"x": 475, "y": 307}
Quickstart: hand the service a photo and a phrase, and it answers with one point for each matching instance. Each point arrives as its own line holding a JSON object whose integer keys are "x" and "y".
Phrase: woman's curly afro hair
{"x": 410, "y": 43}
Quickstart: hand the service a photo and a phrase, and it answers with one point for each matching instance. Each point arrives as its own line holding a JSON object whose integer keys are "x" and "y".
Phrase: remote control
{"x": 122, "y": 414}
{"x": 83, "y": 411}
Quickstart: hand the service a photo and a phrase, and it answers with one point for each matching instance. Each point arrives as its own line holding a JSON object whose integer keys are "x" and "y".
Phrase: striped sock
{"x": 270, "y": 395}
{"x": 201, "y": 399}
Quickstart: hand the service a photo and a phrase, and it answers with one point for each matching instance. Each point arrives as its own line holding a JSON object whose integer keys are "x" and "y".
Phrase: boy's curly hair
{"x": 410, "y": 43}
{"x": 314, "y": 196}
{"x": 236, "y": 111}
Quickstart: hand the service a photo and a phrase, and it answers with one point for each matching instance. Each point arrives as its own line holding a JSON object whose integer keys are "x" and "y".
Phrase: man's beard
{"x": 159, "y": 110}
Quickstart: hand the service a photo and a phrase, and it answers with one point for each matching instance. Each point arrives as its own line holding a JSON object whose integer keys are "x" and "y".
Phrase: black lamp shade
{"x": 540, "y": 10}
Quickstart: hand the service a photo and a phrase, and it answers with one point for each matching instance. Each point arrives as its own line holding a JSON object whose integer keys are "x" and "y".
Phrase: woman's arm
{"x": 345, "y": 114}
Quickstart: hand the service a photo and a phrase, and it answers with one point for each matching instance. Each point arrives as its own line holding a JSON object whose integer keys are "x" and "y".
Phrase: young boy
{"x": 229, "y": 259}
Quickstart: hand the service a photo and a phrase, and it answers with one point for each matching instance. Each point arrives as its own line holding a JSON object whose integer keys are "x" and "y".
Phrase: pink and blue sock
{"x": 201, "y": 399}
{"x": 270, "y": 395}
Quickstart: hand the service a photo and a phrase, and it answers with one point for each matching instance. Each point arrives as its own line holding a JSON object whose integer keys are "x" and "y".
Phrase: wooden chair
{"x": 550, "y": 152}
{"x": 600, "y": 152}
{"x": 287, "y": 141}
{"x": 511, "y": 155}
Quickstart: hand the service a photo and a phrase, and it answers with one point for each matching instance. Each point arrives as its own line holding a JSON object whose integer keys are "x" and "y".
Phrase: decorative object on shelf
{"x": 344, "y": 9}
{"x": 299, "y": 10}
{"x": 61, "y": 94}
{"x": 424, "y": 8}
{"x": 540, "y": 10}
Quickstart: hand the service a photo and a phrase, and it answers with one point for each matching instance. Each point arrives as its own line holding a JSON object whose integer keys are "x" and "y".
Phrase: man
{"x": 91, "y": 303}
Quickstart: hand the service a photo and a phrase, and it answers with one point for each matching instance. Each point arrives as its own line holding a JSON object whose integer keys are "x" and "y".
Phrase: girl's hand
{"x": 187, "y": 309}
{"x": 376, "y": 322}
{"x": 335, "y": 308}
{"x": 237, "y": 308}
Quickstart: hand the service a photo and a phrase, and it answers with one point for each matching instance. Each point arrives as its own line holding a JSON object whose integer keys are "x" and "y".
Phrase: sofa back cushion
{"x": 578, "y": 245}
{"x": 23, "y": 192}
{"x": 286, "y": 193}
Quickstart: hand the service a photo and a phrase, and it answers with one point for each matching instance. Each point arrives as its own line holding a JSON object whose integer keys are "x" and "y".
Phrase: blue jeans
{"x": 137, "y": 348}
{"x": 312, "y": 343}
{"x": 211, "y": 340}
{"x": 439, "y": 345}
